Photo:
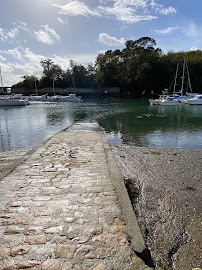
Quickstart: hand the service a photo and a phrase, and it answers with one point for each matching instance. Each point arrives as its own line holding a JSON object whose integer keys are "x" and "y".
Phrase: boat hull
{"x": 77, "y": 99}
{"x": 169, "y": 104}
{"x": 194, "y": 102}
{"x": 12, "y": 102}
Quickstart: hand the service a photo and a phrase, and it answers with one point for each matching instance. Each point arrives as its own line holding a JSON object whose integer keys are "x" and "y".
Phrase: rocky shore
{"x": 166, "y": 192}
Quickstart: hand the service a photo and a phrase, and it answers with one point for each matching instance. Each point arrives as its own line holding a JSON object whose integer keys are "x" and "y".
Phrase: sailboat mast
{"x": 189, "y": 82}
{"x": 175, "y": 83}
{"x": 2, "y": 88}
{"x": 182, "y": 87}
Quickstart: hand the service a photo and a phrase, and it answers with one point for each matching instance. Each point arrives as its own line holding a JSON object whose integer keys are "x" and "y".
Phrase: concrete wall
{"x": 94, "y": 92}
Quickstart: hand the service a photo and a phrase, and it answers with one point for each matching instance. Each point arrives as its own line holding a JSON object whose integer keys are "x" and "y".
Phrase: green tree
{"x": 29, "y": 82}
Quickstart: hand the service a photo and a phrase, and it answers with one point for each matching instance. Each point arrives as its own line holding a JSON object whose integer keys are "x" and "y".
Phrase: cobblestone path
{"x": 59, "y": 209}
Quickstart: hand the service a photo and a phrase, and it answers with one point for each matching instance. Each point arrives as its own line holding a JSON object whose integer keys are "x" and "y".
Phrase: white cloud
{"x": 124, "y": 13}
{"x": 47, "y": 35}
{"x": 111, "y": 41}
{"x": 101, "y": 51}
{"x": 135, "y": 3}
{"x": 62, "y": 21}
{"x": 133, "y": 11}
{"x": 8, "y": 35}
{"x": 165, "y": 31}
{"x": 76, "y": 8}
{"x": 21, "y": 25}
{"x": 14, "y": 53}
{"x": 2, "y": 58}
{"x": 161, "y": 9}
{"x": 30, "y": 64}
{"x": 12, "y": 33}
{"x": 62, "y": 61}
{"x": 33, "y": 59}
{"x": 84, "y": 59}
{"x": 167, "y": 11}
{"x": 194, "y": 49}
{"x": 129, "y": 11}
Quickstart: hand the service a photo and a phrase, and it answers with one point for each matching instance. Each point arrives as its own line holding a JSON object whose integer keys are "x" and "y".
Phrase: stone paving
{"x": 59, "y": 209}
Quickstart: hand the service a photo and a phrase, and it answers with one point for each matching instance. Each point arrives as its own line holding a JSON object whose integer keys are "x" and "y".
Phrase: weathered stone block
{"x": 54, "y": 230}
{"x": 27, "y": 264}
{"x": 58, "y": 239}
{"x": 36, "y": 240}
{"x": 50, "y": 265}
{"x": 34, "y": 230}
{"x": 20, "y": 250}
{"x": 65, "y": 251}
{"x": 13, "y": 230}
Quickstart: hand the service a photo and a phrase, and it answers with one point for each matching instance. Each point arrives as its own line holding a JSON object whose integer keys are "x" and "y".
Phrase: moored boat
{"x": 9, "y": 101}
{"x": 197, "y": 100}
{"x": 43, "y": 98}
{"x": 69, "y": 98}
{"x": 157, "y": 100}
{"x": 56, "y": 98}
{"x": 178, "y": 94}
{"x": 170, "y": 101}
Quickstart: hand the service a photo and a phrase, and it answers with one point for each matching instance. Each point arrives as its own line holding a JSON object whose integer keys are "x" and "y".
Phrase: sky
{"x": 79, "y": 30}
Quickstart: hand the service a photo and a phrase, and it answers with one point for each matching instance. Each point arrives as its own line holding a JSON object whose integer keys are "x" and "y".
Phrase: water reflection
{"x": 125, "y": 121}
{"x": 162, "y": 127}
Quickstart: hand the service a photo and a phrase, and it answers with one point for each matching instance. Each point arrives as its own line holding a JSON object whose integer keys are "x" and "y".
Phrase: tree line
{"x": 140, "y": 68}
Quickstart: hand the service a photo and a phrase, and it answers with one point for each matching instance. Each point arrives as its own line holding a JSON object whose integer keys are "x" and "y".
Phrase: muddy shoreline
{"x": 166, "y": 191}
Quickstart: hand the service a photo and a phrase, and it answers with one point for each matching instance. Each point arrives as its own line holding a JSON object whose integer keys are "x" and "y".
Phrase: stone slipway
{"x": 64, "y": 207}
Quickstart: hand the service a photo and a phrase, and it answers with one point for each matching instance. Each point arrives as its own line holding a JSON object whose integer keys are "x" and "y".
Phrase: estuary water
{"x": 125, "y": 121}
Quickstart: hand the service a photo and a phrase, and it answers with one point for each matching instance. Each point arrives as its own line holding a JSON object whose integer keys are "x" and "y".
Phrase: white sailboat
{"x": 181, "y": 92}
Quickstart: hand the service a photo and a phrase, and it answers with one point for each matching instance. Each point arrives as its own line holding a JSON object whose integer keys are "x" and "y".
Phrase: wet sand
{"x": 165, "y": 186}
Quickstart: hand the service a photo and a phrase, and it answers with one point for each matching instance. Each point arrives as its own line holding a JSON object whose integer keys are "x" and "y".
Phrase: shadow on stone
{"x": 133, "y": 193}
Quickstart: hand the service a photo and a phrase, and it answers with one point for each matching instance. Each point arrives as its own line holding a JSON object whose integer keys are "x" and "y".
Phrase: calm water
{"x": 125, "y": 122}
